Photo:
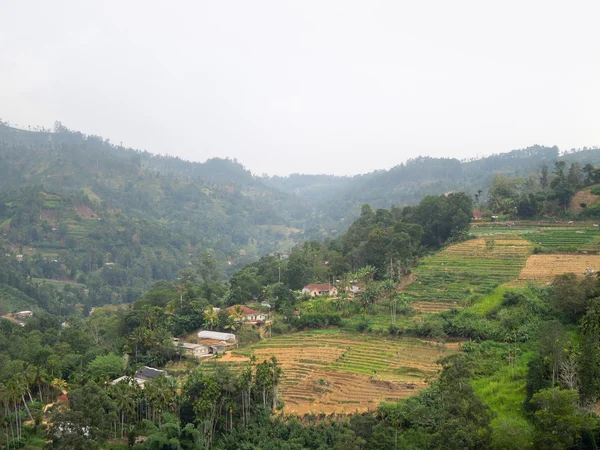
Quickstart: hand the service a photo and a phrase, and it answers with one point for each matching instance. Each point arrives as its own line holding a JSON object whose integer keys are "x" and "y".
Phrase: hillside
{"x": 337, "y": 200}
{"x": 87, "y": 215}
{"x": 79, "y": 209}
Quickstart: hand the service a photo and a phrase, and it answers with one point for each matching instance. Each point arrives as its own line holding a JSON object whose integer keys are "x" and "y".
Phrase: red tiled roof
{"x": 324, "y": 287}
{"x": 245, "y": 310}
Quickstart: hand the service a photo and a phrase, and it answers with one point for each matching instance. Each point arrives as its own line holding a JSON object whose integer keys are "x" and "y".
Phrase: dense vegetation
{"x": 95, "y": 224}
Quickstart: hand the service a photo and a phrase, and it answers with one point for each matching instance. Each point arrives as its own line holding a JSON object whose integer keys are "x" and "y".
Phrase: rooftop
{"x": 205, "y": 334}
{"x": 323, "y": 287}
{"x": 245, "y": 310}
{"x": 150, "y": 372}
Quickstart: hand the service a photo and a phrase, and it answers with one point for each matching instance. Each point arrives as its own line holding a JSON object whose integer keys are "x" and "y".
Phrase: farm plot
{"x": 333, "y": 371}
{"x": 567, "y": 239}
{"x": 543, "y": 268}
{"x": 472, "y": 267}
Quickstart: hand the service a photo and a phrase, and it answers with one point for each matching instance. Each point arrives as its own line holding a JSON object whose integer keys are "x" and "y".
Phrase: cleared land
{"x": 583, "y": 196}
{"x": 331, "y": 371}
{"x": 546, "y": 267}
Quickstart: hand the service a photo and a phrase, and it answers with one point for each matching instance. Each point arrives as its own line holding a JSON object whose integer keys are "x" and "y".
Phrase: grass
{"x": 487, "y": 303}
{"x": 504, "y": 393}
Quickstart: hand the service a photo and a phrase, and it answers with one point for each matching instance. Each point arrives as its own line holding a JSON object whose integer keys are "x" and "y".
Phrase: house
{"x": 248, "y": 315}
{"x": 23, "y": 314}
{"x": 477, "y": 215}
{"x": 149, "y": 373}
{"x": 197, "y": 350}
{"x": 353, "y": 290}
{"x": 141, "y": 376}
{"x": 315, "y": 290}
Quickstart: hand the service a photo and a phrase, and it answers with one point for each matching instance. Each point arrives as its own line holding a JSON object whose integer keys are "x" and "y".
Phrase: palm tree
{"x": 181, "y": 288}
{"x": 124, "y": 400}
{"x": 60, "y": 384}
{"x": 366, "y": 274}
{"x": 237, "y": 313}
{"x": 210, "y": 317}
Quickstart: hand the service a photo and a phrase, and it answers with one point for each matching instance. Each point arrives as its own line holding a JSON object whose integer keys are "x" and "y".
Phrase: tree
{"x": 110, "y": 366}
{"x": 552, "y": 346}
{"x": 210, "y": 317}
{"x": 544, "y": 177}
{"x": 558, "y": 420}
{"x": 570, "y": 294}
{"x": 589, "y": 369}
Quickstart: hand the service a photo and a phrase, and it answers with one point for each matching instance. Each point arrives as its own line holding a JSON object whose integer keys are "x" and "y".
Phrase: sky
{"x": 337, "y": 87}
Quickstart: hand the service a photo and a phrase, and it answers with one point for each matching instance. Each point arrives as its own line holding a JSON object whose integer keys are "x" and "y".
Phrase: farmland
{"x": 342, "y": 371}
{"x": 334, "y": 371}
{"x": 476, "y": 266}
{"x": 543, "y": 268}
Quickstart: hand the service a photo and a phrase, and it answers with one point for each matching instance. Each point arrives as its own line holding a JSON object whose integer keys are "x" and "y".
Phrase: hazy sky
{"x": 323, "y": 86}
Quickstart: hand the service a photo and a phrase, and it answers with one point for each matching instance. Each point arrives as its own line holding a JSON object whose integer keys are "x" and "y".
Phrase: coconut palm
{"x": 60, "y": 384}
{"x": 210, "y": 317}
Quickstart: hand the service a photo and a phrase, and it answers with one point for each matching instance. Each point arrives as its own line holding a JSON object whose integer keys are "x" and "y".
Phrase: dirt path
{"x": 405, "y": 282}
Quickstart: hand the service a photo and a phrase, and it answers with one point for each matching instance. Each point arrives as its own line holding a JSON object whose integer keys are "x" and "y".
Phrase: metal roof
{"x": 216, "y": 335}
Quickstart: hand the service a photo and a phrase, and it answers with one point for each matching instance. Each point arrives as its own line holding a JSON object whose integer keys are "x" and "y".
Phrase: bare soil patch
{"x": 583, "y": 197}
{"x": 85, "y": 212}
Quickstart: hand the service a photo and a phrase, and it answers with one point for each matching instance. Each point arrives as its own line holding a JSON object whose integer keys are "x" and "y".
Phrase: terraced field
{"x": 472, "y": 267}
{"x": 567, "y": 240}
{"x": 553, "y": 237}
{"x": 334, "y": 371}
{"x": 543, "y": 268}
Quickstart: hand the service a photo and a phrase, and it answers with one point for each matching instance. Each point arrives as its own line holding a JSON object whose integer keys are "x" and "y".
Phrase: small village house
{"x": 315, "y": 290}
{"x": 247, "y": 314}
{"x": 477, "y": 215}
{"x": 196, "y": 350}
{"x": 216, "y": 341}
{"x": 149, "y": 373}
{"x": 141, "y": 376}
{"x": 23, "y": 314}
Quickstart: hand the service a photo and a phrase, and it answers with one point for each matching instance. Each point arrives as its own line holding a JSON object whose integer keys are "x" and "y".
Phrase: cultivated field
{"x": 543, "y": 268}
{"x": 476, "y": 266}
{"x": 334, "y": 371}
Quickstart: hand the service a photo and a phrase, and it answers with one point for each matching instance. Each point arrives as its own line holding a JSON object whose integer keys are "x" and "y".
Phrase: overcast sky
{"x": 322, "y": 86}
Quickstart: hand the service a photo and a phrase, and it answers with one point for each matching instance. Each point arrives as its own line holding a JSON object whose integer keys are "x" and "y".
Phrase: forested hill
{"x": 337, "y": 200}
{"x": 85, "y": 213}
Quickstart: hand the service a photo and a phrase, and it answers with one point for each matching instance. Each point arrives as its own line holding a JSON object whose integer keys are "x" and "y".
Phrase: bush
{"x": 395, "y": 330}
{"x": 318, "y": 320}
{"x": 363, "y": 325}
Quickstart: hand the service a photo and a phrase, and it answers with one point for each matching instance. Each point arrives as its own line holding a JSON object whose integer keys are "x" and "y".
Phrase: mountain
{"x": 336, "y": 201}
{"x": 101, "y": 222}
{"x": 83, "y": 212}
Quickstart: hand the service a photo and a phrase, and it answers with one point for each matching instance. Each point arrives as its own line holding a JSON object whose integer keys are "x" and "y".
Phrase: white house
{"x": 315, "y": 290}
{"x": 248, "y": 315}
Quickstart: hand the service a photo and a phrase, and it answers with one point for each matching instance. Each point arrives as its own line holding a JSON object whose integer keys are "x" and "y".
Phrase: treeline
{"x": 550, "y": 192}
{"x": 387, "y": 240}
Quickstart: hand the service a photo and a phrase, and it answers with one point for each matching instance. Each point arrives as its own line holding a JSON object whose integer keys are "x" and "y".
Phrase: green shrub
{"x": 318, "y": 320}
